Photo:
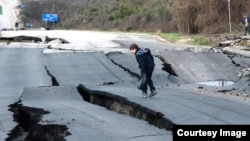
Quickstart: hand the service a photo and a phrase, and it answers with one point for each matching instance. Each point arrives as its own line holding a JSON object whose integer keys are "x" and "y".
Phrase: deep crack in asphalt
{"x": 53, "y": 78}
{"x": 28, "y": 127}
{"x": 122, "y": 105}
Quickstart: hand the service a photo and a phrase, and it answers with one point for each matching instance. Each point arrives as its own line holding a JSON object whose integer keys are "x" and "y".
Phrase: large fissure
{"x": 53, "y": 78}
{"x": 133, "y": 74}
{"x": 245, "y": 70}
{"x": 166, "y": 66}
{"x": 28, "y": 127}
{"x": 122, "y": 105}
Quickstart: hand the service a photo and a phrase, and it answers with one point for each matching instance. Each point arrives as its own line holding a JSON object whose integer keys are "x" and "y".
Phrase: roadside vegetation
{"x": 172, "y": 37}
{"x": 175, "y": 17}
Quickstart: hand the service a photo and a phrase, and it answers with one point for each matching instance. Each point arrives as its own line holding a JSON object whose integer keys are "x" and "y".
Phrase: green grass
{"x": 199, "y": 41}
{"x": 175, "y": 37}
{"x": 172, "y": 37}
{"x": 1, "y": 10}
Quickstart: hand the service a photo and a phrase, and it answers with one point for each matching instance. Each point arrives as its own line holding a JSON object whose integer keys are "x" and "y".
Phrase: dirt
{"x": 211, "y": 39}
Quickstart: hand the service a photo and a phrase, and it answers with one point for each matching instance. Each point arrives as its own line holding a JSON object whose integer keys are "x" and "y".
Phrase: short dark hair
{"x": 133, "y": 46}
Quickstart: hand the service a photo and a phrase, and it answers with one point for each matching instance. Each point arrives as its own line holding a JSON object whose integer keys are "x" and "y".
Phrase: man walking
{"x": 146, "y": 65}
{"x": 246, "y": 23}
{"x": 16, "y": 26}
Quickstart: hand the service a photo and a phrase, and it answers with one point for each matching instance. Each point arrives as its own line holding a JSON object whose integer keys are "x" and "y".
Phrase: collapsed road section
{"x": 124, "y": 106}
{"x": 68, "y": 112}
{"x": 31, "y": 39}
{"x": 29, "y": 129}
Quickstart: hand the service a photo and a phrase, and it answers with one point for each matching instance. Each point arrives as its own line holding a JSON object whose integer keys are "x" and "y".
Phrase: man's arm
{"x": 141, "y": 63}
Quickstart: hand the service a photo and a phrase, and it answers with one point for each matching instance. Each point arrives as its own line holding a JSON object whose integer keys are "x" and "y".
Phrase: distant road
{"x": 8, "y": 18}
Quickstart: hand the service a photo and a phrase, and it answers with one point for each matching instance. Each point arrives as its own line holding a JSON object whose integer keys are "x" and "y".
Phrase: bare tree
{"x": 195, "y": 16}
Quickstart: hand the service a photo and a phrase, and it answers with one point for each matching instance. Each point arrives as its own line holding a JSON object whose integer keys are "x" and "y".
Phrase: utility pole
{"x": 229, "y": 17}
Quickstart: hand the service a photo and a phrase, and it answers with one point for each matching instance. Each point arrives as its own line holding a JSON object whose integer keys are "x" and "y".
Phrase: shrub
{"x": 120, "y": 13}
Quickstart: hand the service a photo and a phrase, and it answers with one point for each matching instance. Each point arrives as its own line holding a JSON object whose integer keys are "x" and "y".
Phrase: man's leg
{"x": 245, "y": 30}
{"x": 149, "y": 81}
{"x": 151, "y": 84}
{"x": 144, "y": 86}
{"x": 144, "y": 94}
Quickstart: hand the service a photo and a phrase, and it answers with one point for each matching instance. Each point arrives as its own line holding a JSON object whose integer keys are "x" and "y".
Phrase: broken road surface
{"x": 87, "y": 88}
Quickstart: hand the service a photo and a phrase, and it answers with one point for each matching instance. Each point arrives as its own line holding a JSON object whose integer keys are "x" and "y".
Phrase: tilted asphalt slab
{"x": 201, "y": 67}
{"x": 86, "y": 121}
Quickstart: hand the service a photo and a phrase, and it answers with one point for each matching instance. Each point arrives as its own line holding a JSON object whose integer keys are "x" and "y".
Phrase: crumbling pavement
{"x": 80, "y": 80}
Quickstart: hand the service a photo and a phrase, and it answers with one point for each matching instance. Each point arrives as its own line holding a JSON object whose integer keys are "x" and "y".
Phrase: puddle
{"x": 219, "y": 83}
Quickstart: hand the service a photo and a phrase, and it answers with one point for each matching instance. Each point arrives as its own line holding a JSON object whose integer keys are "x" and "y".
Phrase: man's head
{"x": 244, "y": 14}
{"x": 133, "y": 47}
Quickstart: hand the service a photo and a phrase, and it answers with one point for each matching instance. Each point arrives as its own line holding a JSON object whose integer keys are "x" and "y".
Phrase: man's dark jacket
{"x": 145, "y": 60}
{"x": 248, "y": 19}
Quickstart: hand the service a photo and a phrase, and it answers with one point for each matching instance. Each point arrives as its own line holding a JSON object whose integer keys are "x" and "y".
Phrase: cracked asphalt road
{"x": 43, "y": 78}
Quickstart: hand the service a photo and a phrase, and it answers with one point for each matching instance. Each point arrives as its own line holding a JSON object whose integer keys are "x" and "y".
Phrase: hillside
{"x": 187, "y": 17}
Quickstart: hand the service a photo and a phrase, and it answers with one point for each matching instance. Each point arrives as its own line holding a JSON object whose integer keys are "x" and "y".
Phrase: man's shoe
{"x": 144, "y": 94}
{"x": 153, "y": 93}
